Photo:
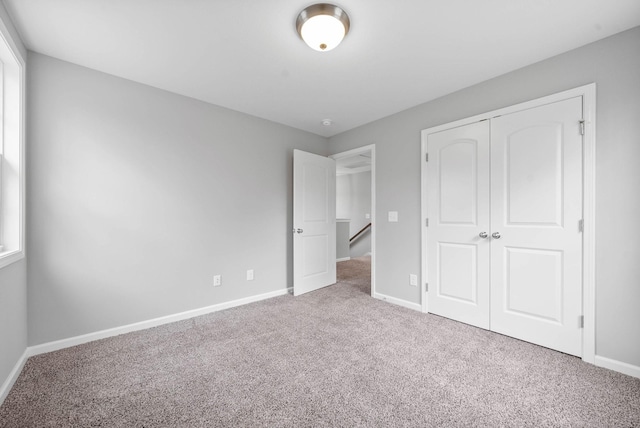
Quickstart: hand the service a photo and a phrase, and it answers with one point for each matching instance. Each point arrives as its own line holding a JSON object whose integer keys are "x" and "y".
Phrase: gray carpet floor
{"x": 334, "y": 357}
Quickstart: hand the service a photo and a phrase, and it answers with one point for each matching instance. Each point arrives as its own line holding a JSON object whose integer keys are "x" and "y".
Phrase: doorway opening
{"x": 355, "y": 217}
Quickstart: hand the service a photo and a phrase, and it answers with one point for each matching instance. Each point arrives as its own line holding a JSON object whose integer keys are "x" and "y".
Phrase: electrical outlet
{"x": 217, "y": 280}
{"x": 367, "y": 216}
{"x": 250, "y": 275}
{"x": 413, "y": 280}
{"x": 393, "y": 216}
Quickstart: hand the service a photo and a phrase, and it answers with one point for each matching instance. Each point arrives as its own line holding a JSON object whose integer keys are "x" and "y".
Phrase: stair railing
{"x": 359, "y": 233}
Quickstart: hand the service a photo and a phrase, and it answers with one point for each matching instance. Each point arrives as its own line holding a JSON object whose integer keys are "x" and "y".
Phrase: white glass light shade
{"x": 322, "y": 26}
{"x": 322, "y": 32}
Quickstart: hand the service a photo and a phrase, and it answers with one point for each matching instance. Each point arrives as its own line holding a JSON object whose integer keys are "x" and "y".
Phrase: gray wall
{"x": 137, "y": 197}
{"x": 614, "y": 64}
{"x": 353, "y": 201}
{"x": 13, "y": 316}
{"x": 13, "y": 281}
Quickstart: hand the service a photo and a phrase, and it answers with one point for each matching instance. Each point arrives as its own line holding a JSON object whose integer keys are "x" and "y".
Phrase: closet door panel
{"x": 536, "y": 206}
{"x": 458, "y": 211}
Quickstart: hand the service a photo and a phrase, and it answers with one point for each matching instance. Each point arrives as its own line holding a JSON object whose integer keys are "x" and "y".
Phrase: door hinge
{"x": 426, "y": 157}
{"x": 426, "y": 222}
{"x": 582, "y": 127}
{"x": 581, "y": 321}
{"x": 581, "y": 225}
{"x": 426, "y": 286}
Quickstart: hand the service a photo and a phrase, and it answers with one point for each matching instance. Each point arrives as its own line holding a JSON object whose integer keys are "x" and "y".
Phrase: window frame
{"x": 12, "y": 151}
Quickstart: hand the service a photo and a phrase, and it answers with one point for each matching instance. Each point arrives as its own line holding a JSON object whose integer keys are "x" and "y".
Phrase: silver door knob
{"x": 299, "y": 230}
{"x": 483, "y": 235}
{"x": 496, "y": 235}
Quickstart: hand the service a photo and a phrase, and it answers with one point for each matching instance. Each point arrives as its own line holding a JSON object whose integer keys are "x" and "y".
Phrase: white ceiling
{"x": 246, "y": 55}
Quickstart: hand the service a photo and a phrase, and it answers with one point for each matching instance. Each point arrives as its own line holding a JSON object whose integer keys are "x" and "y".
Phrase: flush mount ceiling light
{"x": 322, "y": 26}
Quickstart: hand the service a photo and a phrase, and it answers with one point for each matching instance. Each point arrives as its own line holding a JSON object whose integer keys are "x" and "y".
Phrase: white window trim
{"x": 12, "y": 153}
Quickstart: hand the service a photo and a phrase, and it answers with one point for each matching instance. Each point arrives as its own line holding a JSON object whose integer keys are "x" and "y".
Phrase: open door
{"x": 314, "y": 222}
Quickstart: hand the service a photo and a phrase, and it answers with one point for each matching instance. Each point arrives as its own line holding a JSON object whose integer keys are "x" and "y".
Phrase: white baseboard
{"x": 13, "y": 376}
{"x": 344, "y": 259}
{"x": 399, "y": 302}
{"x": 143, "y": 325}
{"x": 618, "y": 366}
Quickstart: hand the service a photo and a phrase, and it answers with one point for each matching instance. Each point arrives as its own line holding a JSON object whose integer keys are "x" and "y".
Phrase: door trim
{"x": 588, "y": 94}
{"x": 367, "y": 149}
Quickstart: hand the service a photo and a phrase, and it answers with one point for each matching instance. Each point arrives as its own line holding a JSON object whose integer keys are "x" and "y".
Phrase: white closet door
{"x": 458, "y": 212}
{"x": 536, "y": 207}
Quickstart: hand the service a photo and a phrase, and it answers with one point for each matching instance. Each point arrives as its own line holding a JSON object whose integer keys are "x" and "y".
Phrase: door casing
{"x": 588, "y": 94}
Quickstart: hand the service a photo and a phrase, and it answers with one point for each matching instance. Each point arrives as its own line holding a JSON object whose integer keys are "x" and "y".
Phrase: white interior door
{"x": 536, "y": 209}
{"x": 504, "y": 244}
{"x": 458, "y": 212}
{"x": 314, "y": 222}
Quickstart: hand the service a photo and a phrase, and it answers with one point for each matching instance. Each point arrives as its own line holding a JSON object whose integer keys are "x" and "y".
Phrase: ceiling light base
{"x": 322, "y": 26}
